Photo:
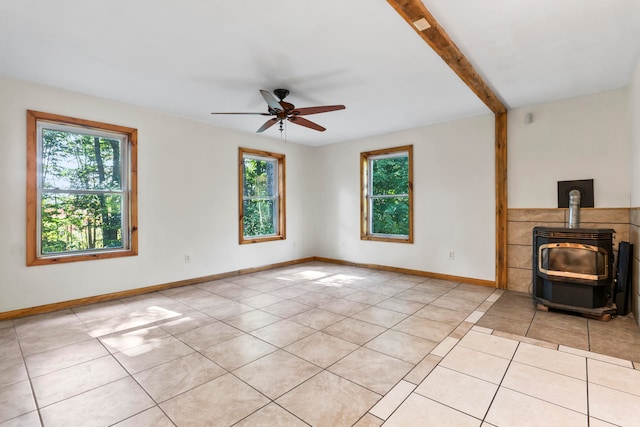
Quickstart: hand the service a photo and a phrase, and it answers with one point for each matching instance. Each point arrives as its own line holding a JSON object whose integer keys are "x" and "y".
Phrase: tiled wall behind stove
{"x": 634, "y": 235}
{"x": 520, "y": 230}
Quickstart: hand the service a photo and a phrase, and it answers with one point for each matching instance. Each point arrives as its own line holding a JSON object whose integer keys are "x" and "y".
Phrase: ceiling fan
{"x": 282, "y": 111}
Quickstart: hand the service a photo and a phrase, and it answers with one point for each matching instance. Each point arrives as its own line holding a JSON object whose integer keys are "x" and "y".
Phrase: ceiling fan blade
{"x": 267, "y": 124}
{"x": 306, "y": 123}
{"x": 250, "y": 114}
{"x": 316, "y": 110}
{"x": 271, "y": 101}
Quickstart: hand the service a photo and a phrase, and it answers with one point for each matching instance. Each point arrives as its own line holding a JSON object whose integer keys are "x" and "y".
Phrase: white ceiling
{"x": 193, "y": 57}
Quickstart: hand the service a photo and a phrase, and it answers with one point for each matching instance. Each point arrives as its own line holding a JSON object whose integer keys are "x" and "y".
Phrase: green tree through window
{"x": 390, "y": 195}
{"x": 262, "y": 198}
{"x": 260, "y": 193}
{"x": 387, "y": 195}
{"x": 81, "y": 180}
{"x": 81, "y": 203}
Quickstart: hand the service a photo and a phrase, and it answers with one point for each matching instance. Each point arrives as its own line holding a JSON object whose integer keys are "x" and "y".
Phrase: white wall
{"x": 579, "y": 138}
{"x": 634, "y": 125}
{"x": 454, "y": 200}
{"x": 187, "y": 177}
{"x": 188, "y": 205}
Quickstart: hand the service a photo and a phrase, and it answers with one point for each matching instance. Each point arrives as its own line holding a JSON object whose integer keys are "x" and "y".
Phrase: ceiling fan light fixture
{"x": 422, "y": 24}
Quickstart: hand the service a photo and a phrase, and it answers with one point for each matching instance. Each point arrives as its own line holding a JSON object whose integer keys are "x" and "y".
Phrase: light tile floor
{"x": 322, "y": 345}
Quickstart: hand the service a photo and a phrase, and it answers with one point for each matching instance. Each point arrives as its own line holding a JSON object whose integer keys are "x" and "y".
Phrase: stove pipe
{"x": 574, "y": 209}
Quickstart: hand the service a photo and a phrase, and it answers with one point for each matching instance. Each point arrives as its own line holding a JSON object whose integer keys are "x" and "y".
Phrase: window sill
{"x": 246, "y": 241}
{"x": 387, "y": 239}
{"x": 65, "y": 258}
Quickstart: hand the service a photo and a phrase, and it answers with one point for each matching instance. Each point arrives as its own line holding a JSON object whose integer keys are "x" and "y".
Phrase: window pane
{"x": 390, "y": 216}
{"x": 78, "y": 222}
{"x": 262, "y": 200}
{"x": 390, "y": 175}
{"x": 259, "y": 178}
{"x": 386, "y": 199}
{"x": 76, "y": 161}
{"x": 259, "y": 218}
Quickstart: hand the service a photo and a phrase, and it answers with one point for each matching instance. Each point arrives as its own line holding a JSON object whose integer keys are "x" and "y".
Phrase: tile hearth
{"x": 323, "y": 345}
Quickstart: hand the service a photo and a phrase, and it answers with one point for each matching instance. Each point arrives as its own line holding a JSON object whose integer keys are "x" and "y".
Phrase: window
{"x": 387, "y": 195}
{"x": 81, "y": 190}
{"x": 262, "y": 196}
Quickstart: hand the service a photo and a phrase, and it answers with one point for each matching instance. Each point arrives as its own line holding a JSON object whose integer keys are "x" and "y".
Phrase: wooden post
{"x": 428, "y": 28}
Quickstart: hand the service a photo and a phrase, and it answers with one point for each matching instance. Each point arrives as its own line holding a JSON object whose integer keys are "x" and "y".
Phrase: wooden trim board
{"x": 140, "y": 291}
{"x": 31, "y": 311}
{"x": 439, "y": 276}
{"x": 501, "y": 200}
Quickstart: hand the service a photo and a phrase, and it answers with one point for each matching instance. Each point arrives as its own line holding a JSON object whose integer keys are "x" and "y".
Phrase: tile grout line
{"x": 451, "y": 407}
{"x": 159, "y": 323}
{"x": 558, "y": 373}
{"x": 26, "y": 368}
{"x": 586, "y": 376}
{"x": 500, "y": 384}
{"x": 270, "y": 400}
{"x": 280, "y": 348}
{"x": 436, "y": 365}
{"x": 323, "y": 369}
{"x": 139, "y": 385}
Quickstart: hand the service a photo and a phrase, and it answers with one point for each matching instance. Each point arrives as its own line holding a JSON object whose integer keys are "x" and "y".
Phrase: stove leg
{"x": 542, "y": 307}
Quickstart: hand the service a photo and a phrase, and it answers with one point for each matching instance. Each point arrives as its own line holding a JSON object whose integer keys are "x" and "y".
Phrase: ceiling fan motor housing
{"x": 281, "y": 93}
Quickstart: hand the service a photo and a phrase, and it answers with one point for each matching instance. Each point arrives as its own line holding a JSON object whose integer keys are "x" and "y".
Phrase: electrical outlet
{"x": 187, "y": 258}
{"x": 452, "y": 255}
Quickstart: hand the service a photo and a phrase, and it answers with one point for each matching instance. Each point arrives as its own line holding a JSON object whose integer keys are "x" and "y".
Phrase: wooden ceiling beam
{"x": 423, "y": 22}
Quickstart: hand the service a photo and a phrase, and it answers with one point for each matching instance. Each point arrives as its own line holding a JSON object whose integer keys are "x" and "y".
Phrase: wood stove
{"x": 573, "y": 266}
